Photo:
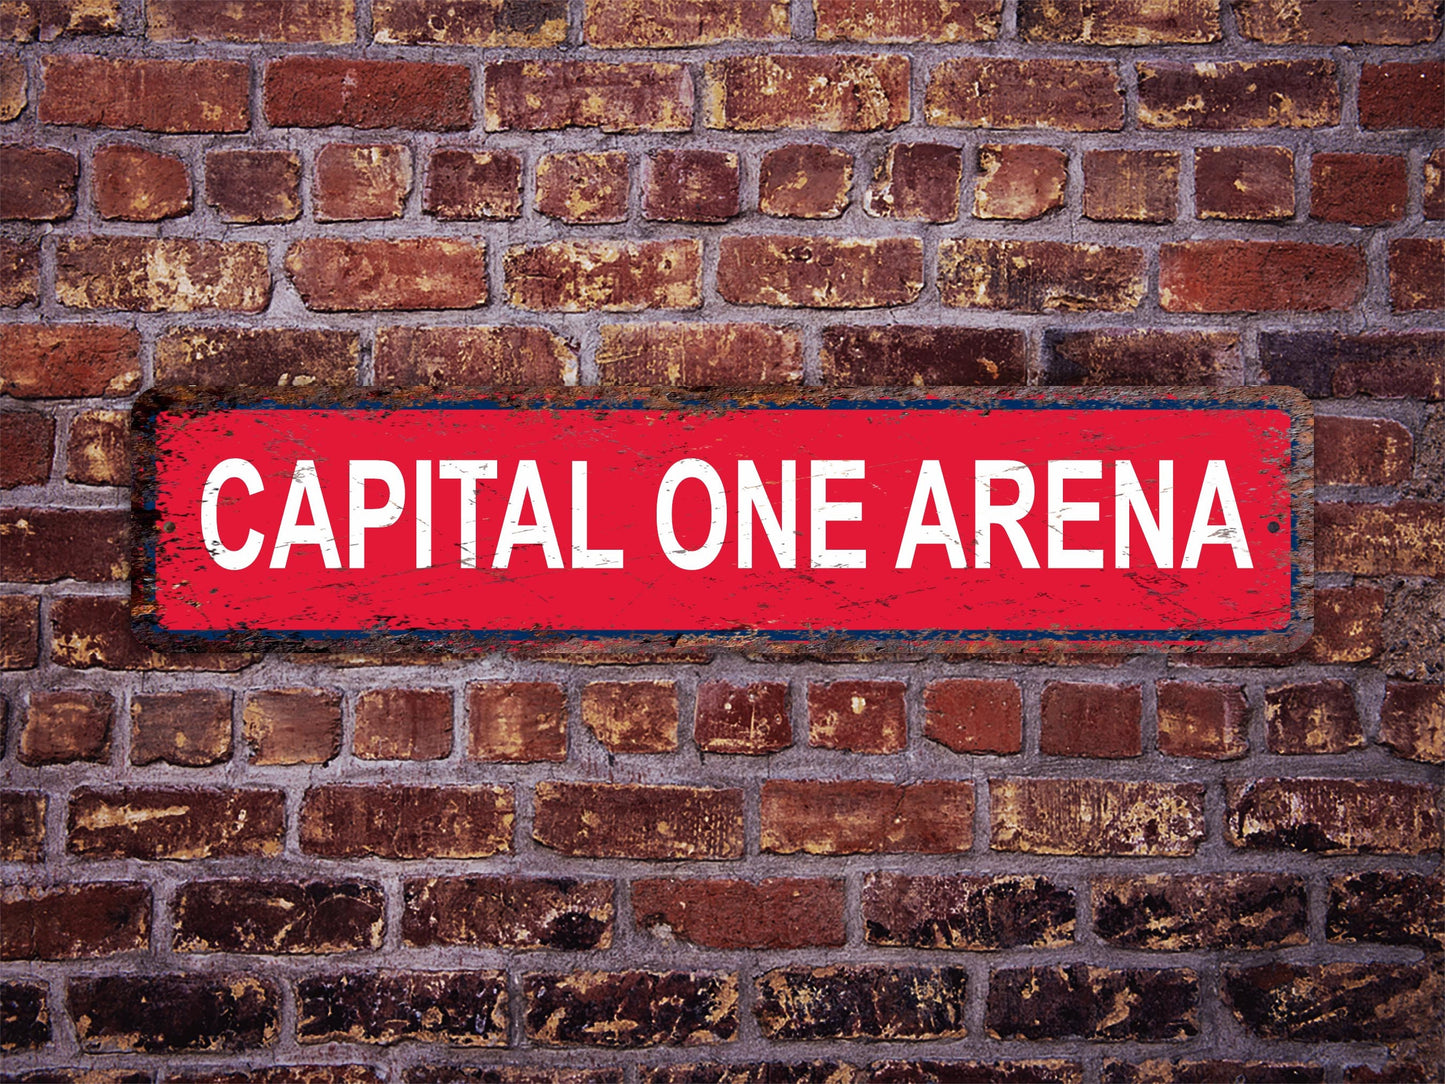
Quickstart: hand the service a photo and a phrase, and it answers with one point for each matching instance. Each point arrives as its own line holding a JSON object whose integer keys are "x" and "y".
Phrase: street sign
{"x": 879, "y": 519}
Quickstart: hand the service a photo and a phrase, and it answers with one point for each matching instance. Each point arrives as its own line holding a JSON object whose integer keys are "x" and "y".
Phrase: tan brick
{"x": 632, "y": 716}
{"x": 1019, "y": 180}
{"x": 1040, "y": 276}
{"x": 820, "y": 272}
{"x": 611, "y": 276}
{"x": 832, "y": 93}
{"x": 942, "y": 22}
{"x": 98, "y": 451}
{"x": 1096, "y": 817}
{"x": 1119, "y": 22}
{"x": 162, "y": 275}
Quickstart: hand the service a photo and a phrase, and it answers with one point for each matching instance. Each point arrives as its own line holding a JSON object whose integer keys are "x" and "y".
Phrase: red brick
{"x": 1131, "y": 186}
{"x": 611, "y": 276}
{"x": 98, "y": 451}
{"x": 22, "y": 825}
{"x": 540, "y": 95}
{"x": 403, "y": 724}
{"x": 816, "y": 816}
{"x": 1137, "y": 356}
{"x": 278, "y": 917}
{"x": 1259, "y": 276}
{"x": 917, "y": 181}
{"x": 74, "y": 922}
{"x": 1407, "y": 538}
{"x": 1096, "y": 817}
{"x": 254, "y": 186}
{"x": 1433, "y": 197}
{"x": 292, "y": 726}
{"x": 39, "y": 183}
{"x": 966, "y": 913}
{"x": 1412, "y": 721}
{"x": 19, "y": 272}
{"x": 751, "y": 720}
{"x": 476, "y": 355}
{"x": 516, "y": 721}
{"x": 1333, "y": 816}
{"x": 356, "y": 181}
{"x": 699, "y": 355}
{"x": 1332, "y": 22}
{"x": 947, "y": 355}
{"x": 1249, "y": 183}
{"x": 62, "y": 727}
{"x": 583, "y": 188}
{"x": 316, "y": 92}
{"x": 14, "y": 85}
{"x": 1361, "y": 451}
{"x": 352, "y": 821}
{"x": 974, "y": 715}
{"x": 190, "y": 729}
{"x": 778, "y": 913}
{"x": 138, "y": 185}
{"x": 1347, "y": 624}
{"x": 334, "y": 274}
{"x": 47, "y": 20}
{"x": 508, "y": 912}
{"x": 858, "y": 716}
{"x": 832, "y": 93}
{"x": 864, "y": 1002}
{"x": 632, "y": 716}
{"x": 330, "y": 23}
{"x": 1358, "y": 189}
{"x": 606, "y": 820}
{"x": 942, "y": 22}
{"x": 274, "y": 356}
{"x": 690, "y": 186}
{"x": 1417, "y": 273}
{"x": 1119, "y": 22}
{"x": 165, "y": 1013}
{"x": 19, "y": 633}
{"x": 1215, "y": 96}
{"x": 820, "y": 272}
{"x": 43, "y": 545}
{"x": 996, "y": 92}
{"x": 1209, "y": 722}
{"x": 95, "y": 630}
{"x": 153, "y": 95}
{"x": 1318, "y": 717}
{"x": 143, "y": 274}
{"x": 176, "y": 823}
{"x": 667, "y": 24}
{"x": 487, "y": 23}
{"x": 1019, "y": 180}
{"x": 467, "y": 185}
{"x": 1039, "y": 276}
{"x": 805, "y": 180}
{"x": 1403, "y": 95}
{"x": 1090, "y": 720}
{"x": 630, "y": 1009}
{"x": 29, "y": 439}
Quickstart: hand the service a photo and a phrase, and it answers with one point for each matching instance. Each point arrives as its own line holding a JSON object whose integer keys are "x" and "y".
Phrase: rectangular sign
{"x": 936, "y": 520}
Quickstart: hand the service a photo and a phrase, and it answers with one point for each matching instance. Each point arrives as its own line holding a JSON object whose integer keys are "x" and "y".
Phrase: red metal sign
{"x": 934, "y": 520}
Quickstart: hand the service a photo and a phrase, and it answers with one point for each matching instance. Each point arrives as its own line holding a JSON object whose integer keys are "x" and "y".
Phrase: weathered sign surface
{"x": 944, "y": 519}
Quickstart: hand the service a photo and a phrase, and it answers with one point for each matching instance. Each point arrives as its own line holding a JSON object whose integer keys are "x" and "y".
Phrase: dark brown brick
{"x": 1358, "y": 189}
{"x": 1403, "y": 95}
{"x": 862, "y": 1002}
{"x": 1205, "y": 721}
{"x": 974, "y": 715}
{"x": 508, "y": 912}
{"x": 1201, "y": 911}
{"x": 169, "y": 1013}
{"x": 632, "y": 716}
{"x": 916, "y": 181}
{"x": 138, "y": 185}
{"x": 356, "y": 181}
{"x": 19, "y": 633}
{"x": 630, "y": 1009}
{"x": 973, "y": 913}
{"x": 902, "y": 354}
{"x": 1090, "y": 720}
{"x": 690, "y": 186}
{"x": 507, "y": 1074}
{"x": 542, "y": 95}
{"x": 858, "y": 716}
{"x": 19, "y": 272}
{"x": 1433, "y": 197}
{"x": 1391, "y": 907}
{"x": 516, "y": 721}
{"x": 1417, "y": 273}
{"x": 68, "y": 360}
{"x": 407, "y": 822}
{"x": 1372, "y": 539}
{"x": 666, "y": 24}
{"x": 751, "y": 720}
{"x": 126, "y": 273}
{"x": 1092, "y": 1003}
{"x": 1019, "y": 180}
{"x": 1096, "y": 817}
{"x": 1131, "y": 185}
{"x": 1118, "y": 22}
{"x": 24, "y": 1015}
{"x": 469, "y": 356}
{"x": 778, "y": 913}
{"x": 1345, "y": 1002}
{"x": 1333, "y": 816}
{"x": 62, "y": 727}
{"x": 1347, "y": 624}
{"x": 702, "y": 354}
{"x": 820, "y": 272}
{"x": 175, "y": 823}
{"x": 1105, "y": 357}
{"x": 292, "y": 726}
{"x": 254, "y": 186}
{"x": 277, "y": 1074}
{"x": 460, "y": 1008}
{"x": 583, "y": 188}
{"x": 882, "y": 22}
{"x": 154, "y": 95}
{"x": 73, "y": 922}
{"x": 1250, "y": 183}
{"x": 29, "y": 438}
{"x": 469, "y": 185}
{"x": 1412, "y": 720}
{"x": 278, "y": 917}
{"x": 1259, "y": 276}
{"x": 1361, "y": 451}
{"x": 607, "y": 820}
{"x": 488, "y": 23}
{"x": 1309, "y": 22}
{"x": 815, "y": 816}
{"x": 755, "y": 1072}
{"x": 98, "y": 450}
{"x": 1390, "y": 364}
{"x": 1208, "y": 1070}
{"x": 334, "y": 274}
{"x": 830, "y": 93}
{"x": 805, "y": 180}
{"x": 315, "y": 92}
{"x": 252, "y": 20}
{"x": 277, "y": 357}
{"x": 95, "y": 630}
{"x": 47, "y": 20}
{"x": 403, "y": 724}
{"x": 998, "y": 92}
{"x": 190, "y": 729}
{"x": 22, "y": 825}
{"x": 39, "y": 183}
{"x": 1319, "y": 717}
{"x": 1039, "y": 276}
{"x": 14, "y": 85}
{"x": 43, "y": 545}
{"x": 611, "y": 276}
{"x": 1215, "y": 96}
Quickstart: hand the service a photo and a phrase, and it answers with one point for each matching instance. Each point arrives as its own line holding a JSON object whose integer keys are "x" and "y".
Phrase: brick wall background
{"x": 698, "y": 868}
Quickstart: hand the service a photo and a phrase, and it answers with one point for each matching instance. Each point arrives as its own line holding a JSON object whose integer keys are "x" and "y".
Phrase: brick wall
{"x": 693, "y": 868}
